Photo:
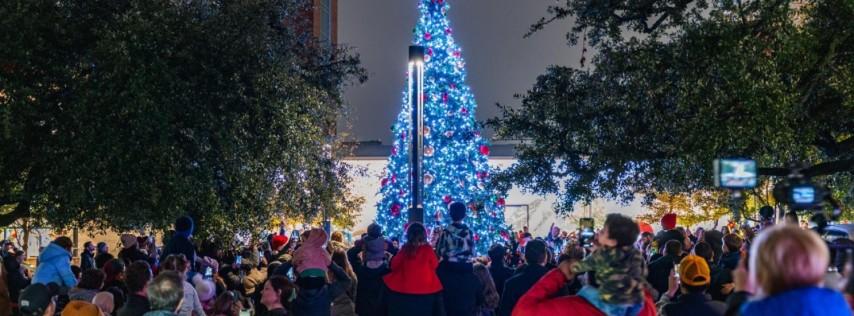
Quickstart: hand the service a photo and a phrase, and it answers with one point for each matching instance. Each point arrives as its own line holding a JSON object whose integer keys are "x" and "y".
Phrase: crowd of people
{"x": 620, "y": 270}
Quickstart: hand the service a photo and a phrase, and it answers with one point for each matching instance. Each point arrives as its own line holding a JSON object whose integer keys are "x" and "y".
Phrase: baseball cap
{"x": 36, "y": 298}
{"x": 694, "y": 271}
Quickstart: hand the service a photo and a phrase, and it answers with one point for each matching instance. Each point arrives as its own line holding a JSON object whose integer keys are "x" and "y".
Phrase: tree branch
{"x": 21, "y": 210}
{"x": 830, "y": 167}
{"x": 822, "y": 169}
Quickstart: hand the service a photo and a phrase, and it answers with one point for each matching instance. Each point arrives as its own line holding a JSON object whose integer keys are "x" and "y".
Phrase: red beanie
{"x": 278, "y": 242}
{"x": 668, "y": 221}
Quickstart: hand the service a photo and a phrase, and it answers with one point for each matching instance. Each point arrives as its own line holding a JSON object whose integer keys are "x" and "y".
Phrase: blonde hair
{"x": 785, "y": 257}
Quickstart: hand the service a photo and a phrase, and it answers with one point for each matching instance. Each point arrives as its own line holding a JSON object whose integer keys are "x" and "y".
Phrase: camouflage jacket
{"x": 620, "y": 273}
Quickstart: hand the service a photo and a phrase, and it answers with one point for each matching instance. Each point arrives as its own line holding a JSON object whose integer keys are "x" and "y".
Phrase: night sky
{"x": 499, "y": 61}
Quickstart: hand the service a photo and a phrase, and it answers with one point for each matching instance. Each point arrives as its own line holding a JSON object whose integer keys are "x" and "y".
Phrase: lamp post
{"x": 416, "y": 101}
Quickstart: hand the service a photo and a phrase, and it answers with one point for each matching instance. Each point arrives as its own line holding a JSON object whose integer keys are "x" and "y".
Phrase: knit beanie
{"x": 278, "y": 241}
{"x": 457, "y": 211}
{"x": 206, "y": 290}
{"x": 184, "y": 225}
{"x": 105, "y": 302}
{"x": 375, "y": 230}
{"x": 80, "y": 308}
{"x": 128, "y": 241}
{"x": 668, "y": 221}
{"x": 375, "y": 249}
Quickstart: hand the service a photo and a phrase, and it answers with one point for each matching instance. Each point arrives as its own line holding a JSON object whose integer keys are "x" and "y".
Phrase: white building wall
{"x": 367, "y": 173}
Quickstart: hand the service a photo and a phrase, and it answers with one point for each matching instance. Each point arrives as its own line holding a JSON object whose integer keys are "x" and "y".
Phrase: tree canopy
{"x": 127, "y": 114}
{"x": 674, "y": 84}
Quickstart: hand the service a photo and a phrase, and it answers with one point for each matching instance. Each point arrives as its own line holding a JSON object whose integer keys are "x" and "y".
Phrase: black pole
{"x": 416, "y": 89}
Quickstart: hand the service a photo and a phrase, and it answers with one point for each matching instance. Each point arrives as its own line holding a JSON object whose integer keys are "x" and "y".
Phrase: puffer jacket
{"x": 807, "y": 301}
{"x": 55, "y": 266}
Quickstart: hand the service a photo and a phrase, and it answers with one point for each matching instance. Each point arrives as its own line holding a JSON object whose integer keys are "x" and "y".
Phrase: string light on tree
{"x": 455, "y": 160}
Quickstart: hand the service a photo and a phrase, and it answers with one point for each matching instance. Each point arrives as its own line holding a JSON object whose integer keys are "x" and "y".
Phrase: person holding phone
{"x": 691, "y": 278}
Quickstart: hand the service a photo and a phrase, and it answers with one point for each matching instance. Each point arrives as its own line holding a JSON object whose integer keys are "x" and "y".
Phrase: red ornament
{"x": 427, "y": 36}
{"x": 464, "y": 110}
{"x": 395, "y": 210}
{"x": 393, "y": 178}
{"x": 384, "y": 182}
{"x": 476, "y": 237}
{"x": 505, "y": 235}
{"x": 484, "y": 150}
{"x": 481, "y": 175}
{"x": 448, "y": 31}
{"x": 447, "y": 199}
{"x": 429, "y": 51}
{"x": 501, "y": 201}
{"x": 453, "y": 86}
{"x": 457, "y": 54}
{"x": 444, "y": 97}
{"x": 449, "y": 134}
{"x": 394, "y": 151}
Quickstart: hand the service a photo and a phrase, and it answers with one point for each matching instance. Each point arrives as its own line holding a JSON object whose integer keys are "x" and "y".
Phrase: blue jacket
{"x": 55, "y": 266}
{"x": 808, "y": 301}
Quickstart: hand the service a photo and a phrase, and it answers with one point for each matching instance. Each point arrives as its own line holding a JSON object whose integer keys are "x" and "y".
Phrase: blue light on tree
{"x": 455, "y": 155}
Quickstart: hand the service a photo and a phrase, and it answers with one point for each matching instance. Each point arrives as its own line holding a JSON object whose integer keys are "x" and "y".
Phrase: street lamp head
{"x": 416, "y": 54}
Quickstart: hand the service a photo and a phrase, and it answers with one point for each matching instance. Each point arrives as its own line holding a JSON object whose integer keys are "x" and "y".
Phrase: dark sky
{"x": 499, "y": 61}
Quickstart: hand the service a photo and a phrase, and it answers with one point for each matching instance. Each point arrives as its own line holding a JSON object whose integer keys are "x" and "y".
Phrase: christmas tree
{"x": 455, "y": 155}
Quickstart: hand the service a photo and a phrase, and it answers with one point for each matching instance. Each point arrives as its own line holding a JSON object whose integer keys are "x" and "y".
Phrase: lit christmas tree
{"x": 455, "y": 155}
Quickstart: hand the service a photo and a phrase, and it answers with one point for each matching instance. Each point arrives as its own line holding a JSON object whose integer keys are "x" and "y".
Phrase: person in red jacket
{"x": 540, "y": 300}
{"x": 412, "y": 286}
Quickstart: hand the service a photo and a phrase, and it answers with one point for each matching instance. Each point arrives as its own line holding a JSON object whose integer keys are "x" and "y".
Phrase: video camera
{"x": 797, "y": 191}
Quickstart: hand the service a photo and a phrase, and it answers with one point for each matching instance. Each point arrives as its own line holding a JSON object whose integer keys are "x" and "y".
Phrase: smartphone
{"x": 238, "y": 260}
{"x": 209, "y": 273}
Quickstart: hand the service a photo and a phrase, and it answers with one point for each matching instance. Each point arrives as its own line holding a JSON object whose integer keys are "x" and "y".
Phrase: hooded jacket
{"x": 807, "y": 301}
{"x": 414, "y": 273}
{"x": 55, "y": 266}
{"x": 456, "y": 243}
{"x": 541, "y": 300}
{"x": 311, "y": 255}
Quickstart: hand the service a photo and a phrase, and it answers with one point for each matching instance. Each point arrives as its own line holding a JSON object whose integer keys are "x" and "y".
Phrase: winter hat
{"x": 36, "y": 298}
{"x": 81, "y": 308}
{"x": 457, "y": 211}
{"x": 128, "y": 241}
{"x": 206, "y": 290}
{"x": 668, "y": 221}
{"x": 375, "y": 230}
{"x": 105, "y": 302}
{"x": 375, "y": 249}
{"x": 278, "y": 242}
{"x": 694, "y": 271}
{"x": 184, "y": 224}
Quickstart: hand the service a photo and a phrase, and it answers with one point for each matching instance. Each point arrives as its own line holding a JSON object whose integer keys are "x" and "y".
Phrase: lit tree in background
{"x": 455, "y": 155}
